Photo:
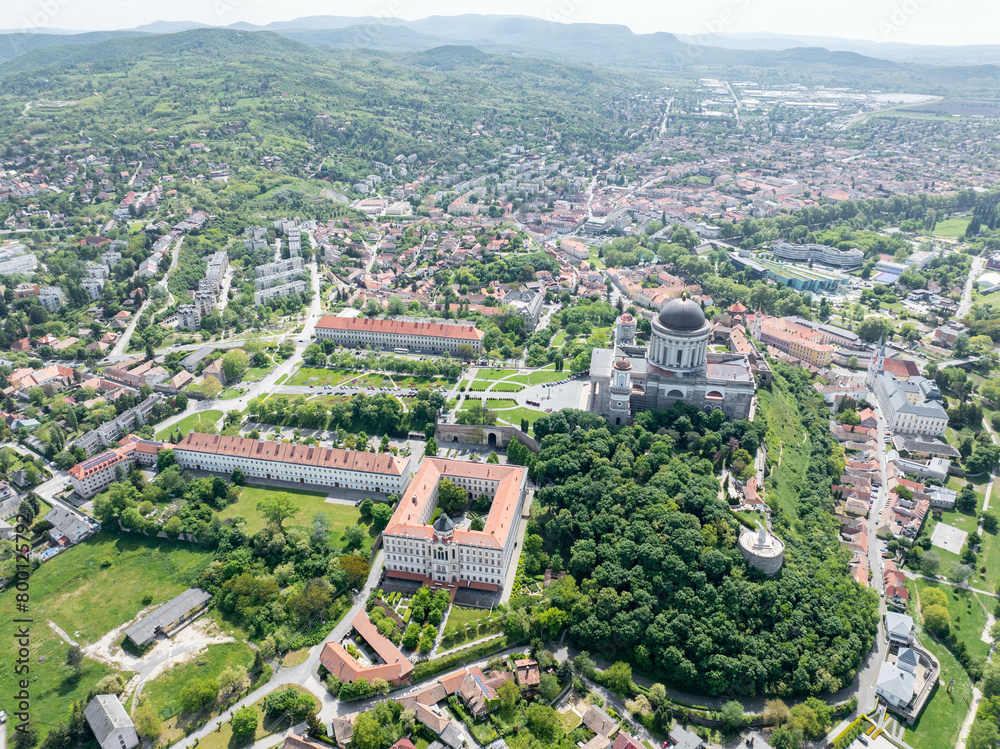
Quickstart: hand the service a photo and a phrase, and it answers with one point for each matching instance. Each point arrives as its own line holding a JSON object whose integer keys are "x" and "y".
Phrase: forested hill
{"x": 637, "y": 519}
{"x": 253, "y": 94}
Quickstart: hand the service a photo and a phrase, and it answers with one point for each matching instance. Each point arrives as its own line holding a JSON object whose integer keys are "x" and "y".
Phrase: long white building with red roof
{"x": 415, "y": 335}
{"x": 441, "y": 552}
{"x": 380, "y": 473}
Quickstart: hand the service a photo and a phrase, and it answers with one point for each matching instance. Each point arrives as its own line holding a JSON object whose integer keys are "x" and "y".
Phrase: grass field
{"x": 164, "y": 691}
{"x": 785, "y": 436}
{"x": 559, "y": 338}
{"x": 968, "y": 620}
{"x": 203, "y": 421}
{"x": 255, "y": 373}
{"x": 540, "y": 377}
{"x": 414, "y": 381}
{"x": 310, "y": 503}
{"x": 494, "y": 374}
{"x": 231, "y": 394}
{"x": 305, "y": 376}
{"x": 494, "y": 403}
{"x": 951, "y": 228}
{"x": 989, "y": 557}
{"x": 939, "y": 723}
{"x": 114, "y": 571}
{"x": 514, "y": 415}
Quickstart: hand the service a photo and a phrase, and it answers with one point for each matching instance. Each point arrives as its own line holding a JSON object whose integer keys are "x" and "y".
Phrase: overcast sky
{"x": 910, "y": 21}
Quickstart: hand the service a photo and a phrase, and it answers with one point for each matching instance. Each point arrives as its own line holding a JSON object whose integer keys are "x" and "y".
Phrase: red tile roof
{"x": 401, "y": 327}
{"x": 348, "y": 460}
{"x": 500, "y": 521}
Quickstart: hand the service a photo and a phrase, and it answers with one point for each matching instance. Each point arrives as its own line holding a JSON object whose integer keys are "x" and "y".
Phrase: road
{"x": 966, "y": 304}
{"x": 122, "y": 345}
{"x": 268, "y": 383}
{"x": 304, "y": 674}
{"x": 48, "y": 489}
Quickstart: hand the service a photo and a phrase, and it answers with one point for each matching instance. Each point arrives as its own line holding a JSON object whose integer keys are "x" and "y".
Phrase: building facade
{"x": 910, "y": 403}
{"x": 415, "y": 549}
{"x": 819, "y": 253}
{"x": 435, "y": 337}
{"x": 675, "y": 367}
{"x": 301, "y": 464}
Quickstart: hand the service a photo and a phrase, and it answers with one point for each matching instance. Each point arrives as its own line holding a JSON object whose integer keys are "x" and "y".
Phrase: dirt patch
{"x": 191, "y": 639}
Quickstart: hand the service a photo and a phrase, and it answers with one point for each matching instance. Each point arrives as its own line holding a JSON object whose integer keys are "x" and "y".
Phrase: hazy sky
{"x": 911, "y": 21}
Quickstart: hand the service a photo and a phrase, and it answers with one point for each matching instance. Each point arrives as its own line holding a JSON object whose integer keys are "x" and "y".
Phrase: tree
{"x": 381, "y": 514}
{"x": 356, "y": 568}
{"x": 933, "y": 597}
{"x": 165, "y": 459}
{"x": 991, "y": 678}
{"x": 544, "y": 722}
{"x": 233, "y": 680}
{"x": 451, "y": 498}
{"x": 966, "y": 501}
{"x": 493, "y": 458}
{"x": 775, "y": 712}
{"x": 210, "y": 387}
{"x": 147, "y": 720}
{"x": 368, "y": 734}
{"x": 786, "y": 737}
{"x": 872, "y": 328}
{"x": 411, "y": 636}
{"x": 234, "y": 363}
{"x": 983, "y": 735}
{"x": 277, "y": 508}
{"x": 198, "y": 694}
{"x": 354, "y": 537}
{"x": 509, "y": 694}
{"x": 549, "y": 687}
{"x": 431, "y": 448}
{"x": 732, "y": 716}
{"x": 245, "y": 721}
{"x": 25, "y": 737}
{"x": 618, "y": 678}
{"x": 959, "y": 573}
{"x": 990, "y": 521}
{"x": 74, "y": 659}
{"x": 237, "y": 477}
{"x": 937, "y": 620}
{"x": 930, "y": 563}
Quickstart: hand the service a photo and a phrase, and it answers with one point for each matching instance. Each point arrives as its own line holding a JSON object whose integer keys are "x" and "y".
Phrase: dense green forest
{"x": 637, "y": 518}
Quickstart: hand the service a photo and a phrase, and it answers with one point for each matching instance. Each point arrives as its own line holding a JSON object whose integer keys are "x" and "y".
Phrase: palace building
{"x": 417, "y": 549}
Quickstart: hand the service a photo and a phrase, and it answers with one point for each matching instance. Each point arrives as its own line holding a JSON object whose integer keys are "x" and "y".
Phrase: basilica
{"x": 675, "y": 367}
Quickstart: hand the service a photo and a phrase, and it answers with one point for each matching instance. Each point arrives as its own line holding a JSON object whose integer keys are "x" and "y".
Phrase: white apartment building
{"x": 380, "y": 473}
{"x": 282, "y": 266}
{"x": 276, "y": 279}
{"x": 96, "y": 474}
{"x": 275, "y": 292}
{"x": 188, "y": 317}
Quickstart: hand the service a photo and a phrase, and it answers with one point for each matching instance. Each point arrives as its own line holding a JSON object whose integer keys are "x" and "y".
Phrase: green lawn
{"x": 785, "y": 436}
{"x": 231, "y": 394}
{"x": 541, "y": 376}
{"x": 968, "y": 620}
{"x": 514, "y": 415}
{"x": 255, "y": 373}
{"x": 939, "y": 723}
{"x": 558, "y": 339}
{"x": 494, "y": 403}
{"x": 164, "y": 691}
{"x": 461, "y": 615}
{"x": 989, "y": 557}
{"x": 414, "y": 381}
{"x": 494, "y": 374}
{"x": 203, "y": 421}
{"x": 951, "y": 228}
{"x": 320, "y": 376}
{"x": 88, "y": 599}
{"x": 310, "y": 503}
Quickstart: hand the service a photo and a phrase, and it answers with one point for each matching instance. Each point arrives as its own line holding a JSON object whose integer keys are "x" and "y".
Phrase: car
{"x": 863, "y": 740}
